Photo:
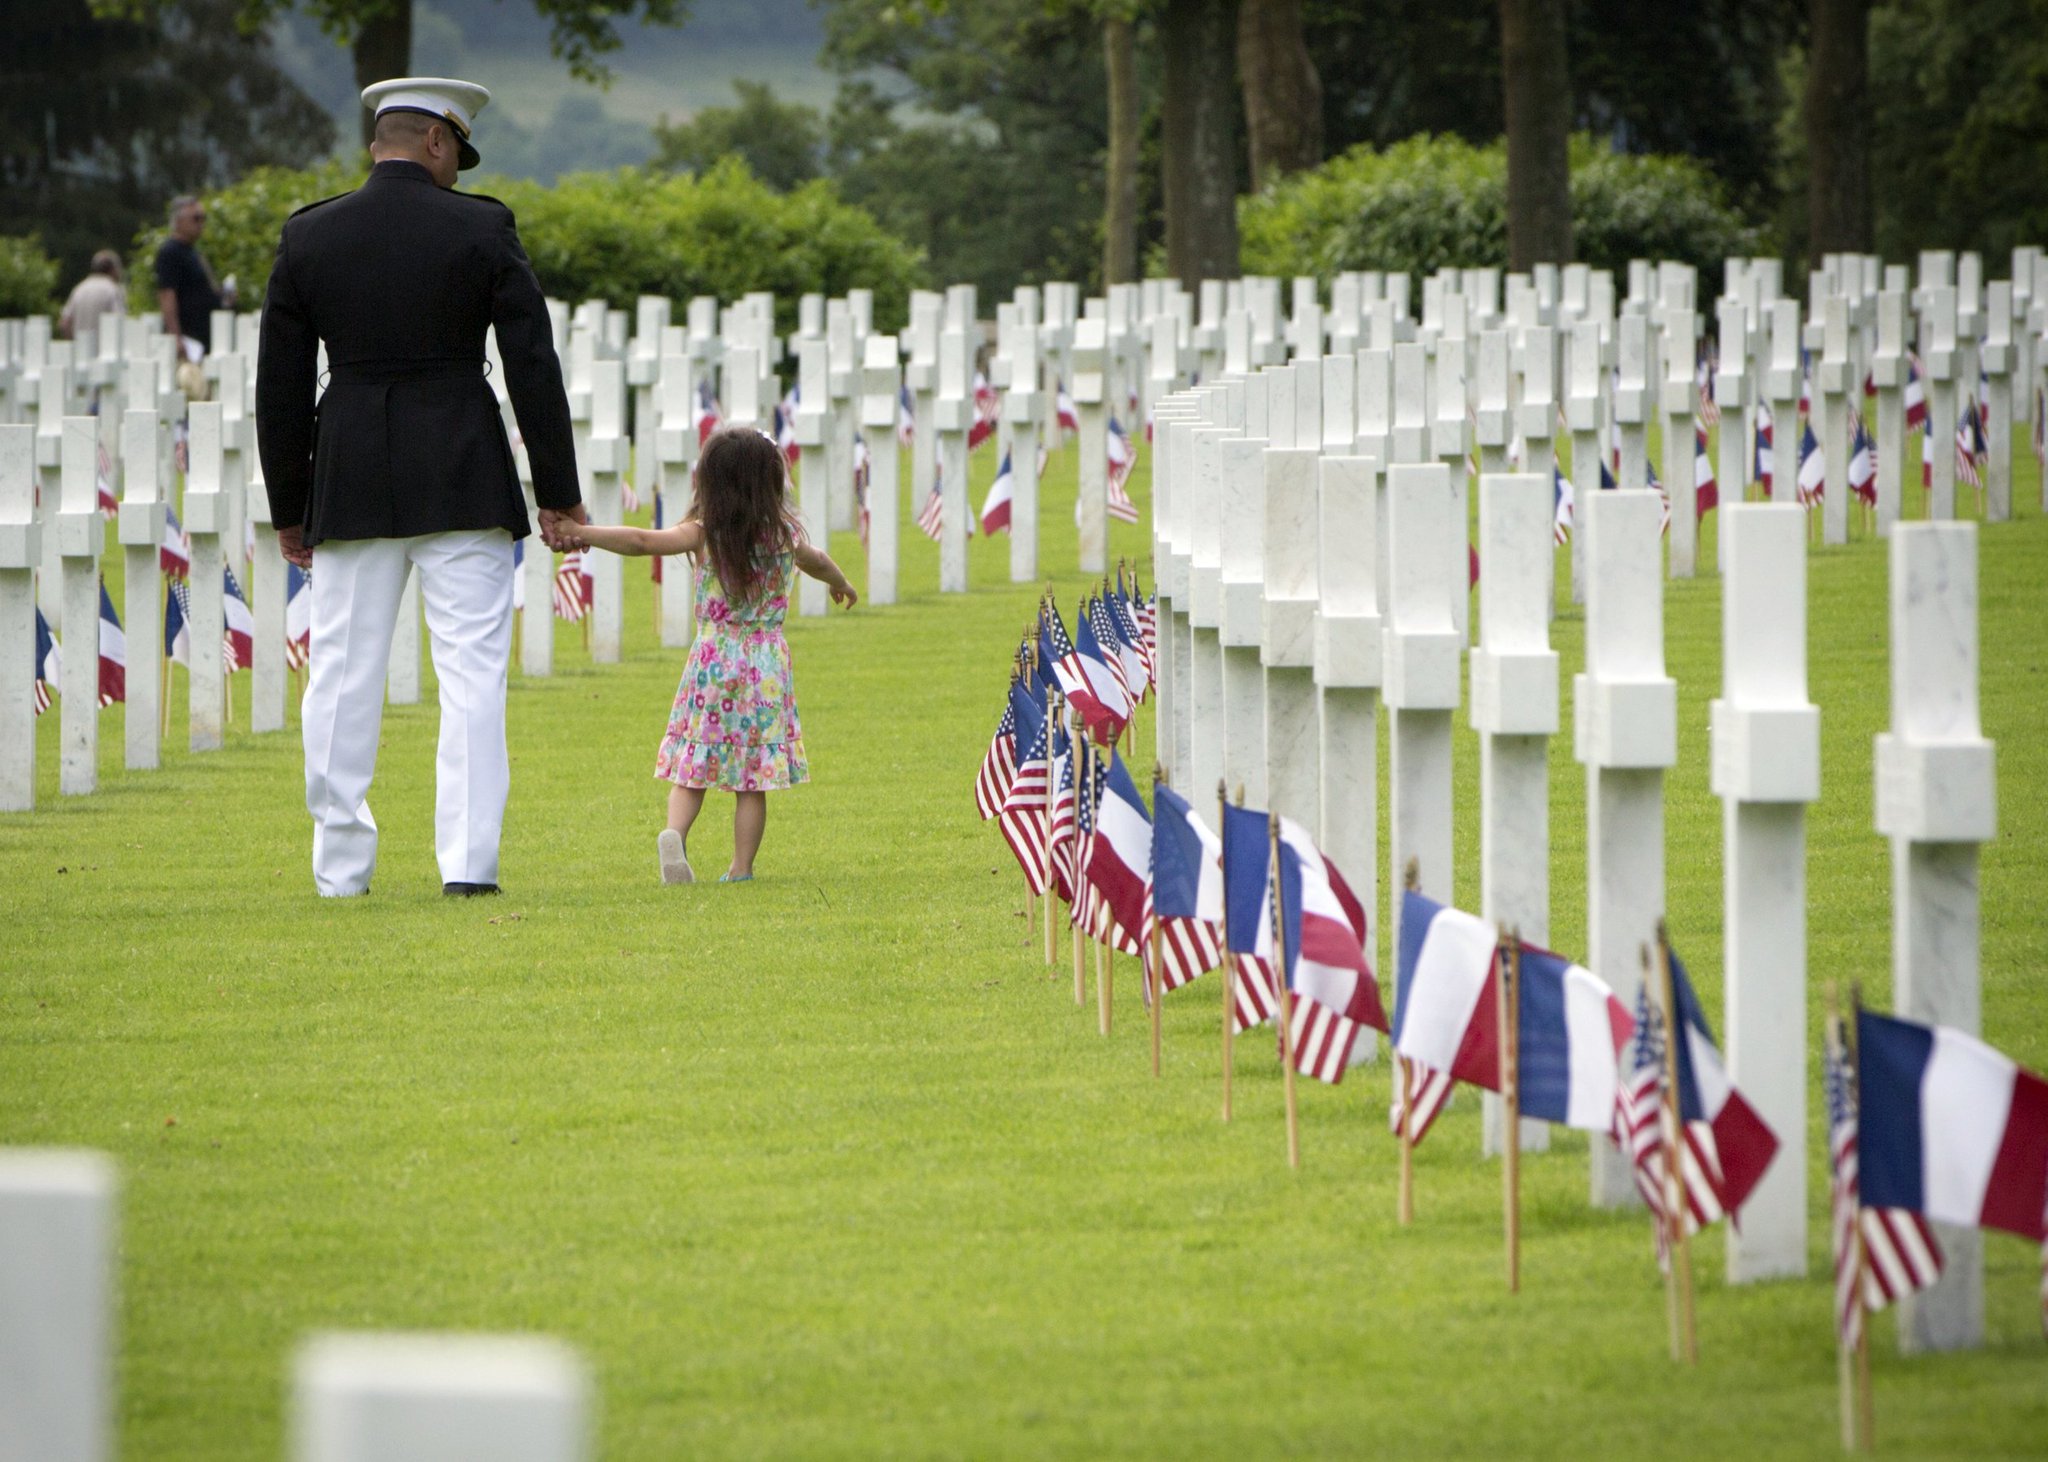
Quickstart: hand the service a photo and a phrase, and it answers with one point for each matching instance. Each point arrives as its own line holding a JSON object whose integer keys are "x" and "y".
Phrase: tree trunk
{"x": 1283, "y": 95}
{"x": 1537, "y": 85}
{"x": 383, "y": 49}
{"x": 1838, "y": 210}
{"x": 1120, "y": 202}
{"x": 1199, "y": 149}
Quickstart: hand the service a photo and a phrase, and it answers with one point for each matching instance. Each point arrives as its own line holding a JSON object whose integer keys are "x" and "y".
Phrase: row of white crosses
{"x": 355, "y": 1397}
{"x": 1273, "y": 541}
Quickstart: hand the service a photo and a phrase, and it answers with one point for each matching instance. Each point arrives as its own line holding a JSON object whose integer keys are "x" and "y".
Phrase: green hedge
{"x": 28, "y": 277}
{"x": 1428, "y": 202}
{"x": 610, "y": 235}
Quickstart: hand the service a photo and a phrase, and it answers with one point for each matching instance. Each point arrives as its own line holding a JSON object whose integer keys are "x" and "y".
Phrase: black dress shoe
{"x": 468, "y": 890}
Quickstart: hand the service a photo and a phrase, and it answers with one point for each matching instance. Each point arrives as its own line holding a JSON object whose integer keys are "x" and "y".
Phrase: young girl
{"x": 734, "y": 723}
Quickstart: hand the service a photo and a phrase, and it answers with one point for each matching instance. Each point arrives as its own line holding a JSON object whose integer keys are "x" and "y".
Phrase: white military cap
{"x": 453, "y": 102}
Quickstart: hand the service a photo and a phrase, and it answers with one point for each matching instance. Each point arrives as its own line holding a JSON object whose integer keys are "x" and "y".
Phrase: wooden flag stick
{"x": 1510, "y": 985}
{"x": 1277, "y": 900}
{"x": 1411, "y": 880}
{"x": 1154, "y": 985}
{"x": 1229, "y": 962}
{"x": 1687, "y": 1347}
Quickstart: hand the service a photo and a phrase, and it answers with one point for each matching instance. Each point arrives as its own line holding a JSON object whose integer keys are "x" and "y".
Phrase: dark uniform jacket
{"x": 401, "y": 279}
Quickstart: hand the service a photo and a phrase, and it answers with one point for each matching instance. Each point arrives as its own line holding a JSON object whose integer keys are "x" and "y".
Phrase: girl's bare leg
{"x": 684, "y": 803}
{"x": 749, "y": 821}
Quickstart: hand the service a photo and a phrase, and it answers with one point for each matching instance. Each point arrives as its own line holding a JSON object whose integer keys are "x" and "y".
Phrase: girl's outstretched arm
{"x": 818, "y": 564}
{"x": 638, "y": 542}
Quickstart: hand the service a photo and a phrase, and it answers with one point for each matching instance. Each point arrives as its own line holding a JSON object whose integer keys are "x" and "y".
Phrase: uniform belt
{"x": 395, "y": 372}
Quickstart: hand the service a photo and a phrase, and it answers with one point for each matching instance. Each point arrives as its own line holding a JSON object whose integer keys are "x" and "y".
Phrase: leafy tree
{"x": 780, "y": 142}
{"x": 379, "y": 32}
{"x": 103, "y": 121}
{"x": 28, "y": 277}
{"x": 1283, "y": 95}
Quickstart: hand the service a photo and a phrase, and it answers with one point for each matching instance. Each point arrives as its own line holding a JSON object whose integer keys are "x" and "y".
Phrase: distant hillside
{"x": 541, "y": 121}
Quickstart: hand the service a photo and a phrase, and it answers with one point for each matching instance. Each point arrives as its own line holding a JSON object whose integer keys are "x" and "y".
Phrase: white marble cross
{"x": 675, "y": 442}
{"x": 1888, "y": 374}
{"x": 1783, "y": 382}
{"x": 953, "y": 411}
{"x": 1023, "y": 412}
{"x": 1514, "y": 710}
{"x": 1632, "y": 399}
{"x": 1997, "y": 357}
{"x": 59, "y": 1257}
{"x": 53, "y": 392}
{"x": 814, "y": 464}
{"x": 643, "y": 371}
{"x": 1679, "y": 397}
{"x": 80, "y": 534}
{"x": 1347, "y": 668}
{"x": 881, "y": 389}
{"x": 1339, "y": 411}
{"x": 1732, "y": 398}
{"x": 1288, "y": 630}
{"x": 921, "y": 374}
{"x": 607, "y": 446}
{"x": 1838, "y": 398}
{"x": 141, "y": 531}
{"x": 1241, "y": 605}
{"x": 1625, "y": 733}
{"x": 1092, "y": 377}
{"x": 204, "y": 520}
{"x": 439, "y": 1398}
{"x": 1492, "y": 417}
{"x": 268, "y": 583}
{"x": 1937, "y": 801}
{"x": 1585, "y": 390}
{"x": 1205, "y": 608}
{"x": 20, "y": 554}
{"x": 841, "y": 406}
{"x": 1766, "y": 768}
{"x": 1938, "y": 361}
{"x": 1420, "y": 664}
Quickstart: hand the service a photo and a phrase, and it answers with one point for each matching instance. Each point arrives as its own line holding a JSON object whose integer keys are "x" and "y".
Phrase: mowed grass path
{"x": 829, "y": 1165}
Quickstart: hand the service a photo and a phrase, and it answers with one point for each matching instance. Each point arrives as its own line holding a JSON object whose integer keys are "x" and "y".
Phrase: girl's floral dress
{"x": 734, "y": 723}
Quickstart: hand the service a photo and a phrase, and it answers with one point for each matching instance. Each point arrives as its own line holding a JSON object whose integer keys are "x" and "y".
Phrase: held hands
{"x": 843, "y": 595}
{"x": 558, "y": 527}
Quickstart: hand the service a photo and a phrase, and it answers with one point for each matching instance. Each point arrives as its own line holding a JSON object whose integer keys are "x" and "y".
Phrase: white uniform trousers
{"x": 466, "y": 583}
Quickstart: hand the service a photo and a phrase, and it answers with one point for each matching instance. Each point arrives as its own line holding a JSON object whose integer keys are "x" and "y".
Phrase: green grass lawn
{"x": 829, "y": 1164}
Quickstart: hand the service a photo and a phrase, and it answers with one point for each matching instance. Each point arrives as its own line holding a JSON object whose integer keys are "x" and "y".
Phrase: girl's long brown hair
{"x": 742, "y": 492}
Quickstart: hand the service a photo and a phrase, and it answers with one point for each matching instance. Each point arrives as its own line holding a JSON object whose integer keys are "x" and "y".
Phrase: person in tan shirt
{"x": 99, "y": 293}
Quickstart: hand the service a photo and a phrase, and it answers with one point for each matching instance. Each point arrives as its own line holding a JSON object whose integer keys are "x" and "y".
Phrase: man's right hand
{"x": 291, "y": 542}
{"x": 551, "y": 521}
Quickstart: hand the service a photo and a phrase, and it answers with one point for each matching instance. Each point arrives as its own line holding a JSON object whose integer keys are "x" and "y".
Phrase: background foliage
{"x": 1430, "y": 201}
{"x": 611, "y": 235}
{"x": 28, "y": 277}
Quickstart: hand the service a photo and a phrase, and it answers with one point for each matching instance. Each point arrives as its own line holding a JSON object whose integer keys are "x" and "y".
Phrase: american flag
{"x": 48, "y": 664}
{"x": 1805, "y": 382}
{"x": 1022, "y": 818}
{"x": 709, "y": 412}
{"x": 1900, "y": 1255}
{"x": 1121, "y": 459}
{"x": 931, "y": 518}
{"x": 1430, "y": 1092}
{"x": 1972, "y": 447}
{"x": 574, "y": 589}
{"x": 1187, "y": 947}
{"x": 1862, "y": 461}
{"x": 1703, "y": 377}
{"x": 906, "y": 416}
{"x": 238, "y": 627}
{"x": 998, "y": 767}
{"x": 1639, "y": 1110}
{"x": 1916, "y": 394}
{"x": 1064, "y": 411}
{"x": 1109, "y": 641}
{"x": 298, "y": 617}
{"x": 1091, "y": 912}
{"x": 1061, "y": 832}
{"x": 987, "y": 411}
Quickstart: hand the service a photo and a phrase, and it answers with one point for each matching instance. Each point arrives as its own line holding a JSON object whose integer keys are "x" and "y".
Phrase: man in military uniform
{"x": 403, "y": 464}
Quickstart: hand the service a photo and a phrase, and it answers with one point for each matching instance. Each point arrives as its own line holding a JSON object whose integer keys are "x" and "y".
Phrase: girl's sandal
{"x": 675, "y": 867}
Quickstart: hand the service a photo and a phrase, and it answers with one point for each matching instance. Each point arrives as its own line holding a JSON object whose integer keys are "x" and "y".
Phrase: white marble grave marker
{"x": 1288, "y": 633}
{"x": 1514, "y": 710}
{"x": 814, "y": 465}
{"x": 1766, "y": 768}
{"x": 20, "y": 552}
{"x": 204, "y": 520}
{"x": 1888, "y": 373}
{"x": 675, "y": 443}
{"x": 141, "y": 531}
{"x": 1242, "y": 614}
{"x": 1997, "y": 359}
{"x": 1420, "y": 663}
{"x": 439, "y": 1398}
{"x": 1205, "y": 611}
{"x": 843, "y": 367}
{"x": 1582, "y": 415}
{"x": 1937, "y": 801}
{"x": 1731, "y": 397}
{"x": 80, "y": 533}
{"x": 1938, "y": 352}
{"x": 1783, "y": 382}
{"x": 1835, "y": 404}
{"x": 607, "y": 446}
{"x": 1092, "y": 378}
{"x": 58, "y": 1242}
{"x": 1625, "y": 732}
{"x": 1679, "y": 398}
{"x": 881, "y": 390}
{"x": 1023, "y": 407}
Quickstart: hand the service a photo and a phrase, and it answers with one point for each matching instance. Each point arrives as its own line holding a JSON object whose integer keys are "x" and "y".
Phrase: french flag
{"x": 1813, "y": 468}
{"x": 1186, "y": 891}
{"x": 298, "y": 610}
{"x": 113, "y": 653}
{"x": 1248, "y": 913}
{"x": 1707, "y": 492}
{"x": 174, "y": 555}
{"x": 1862, "y": 462}
{"x": 1022, "y": 818}
{"x": 1335, "y": 993}
{"x": 1951, "y": 1128}
{"x": 49, "y": 664}
{"x": 1069, "y": 414}
{"x": 1097, "y": 694}
{"x": 1120, "y": 852}
{"x": 995, "y": 508}
{"x": 1729, "y": 1144}
{"x": 1569, "y": 1032}
{"x": 1446, "y": 1008}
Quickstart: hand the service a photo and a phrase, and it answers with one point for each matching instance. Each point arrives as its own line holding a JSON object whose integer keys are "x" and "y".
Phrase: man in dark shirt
{"x": 185, "y": 288}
